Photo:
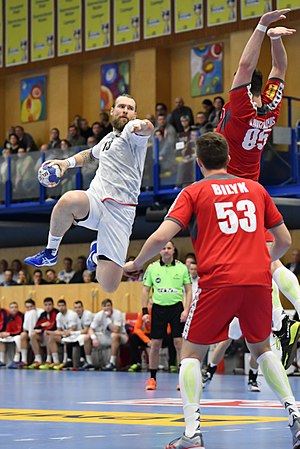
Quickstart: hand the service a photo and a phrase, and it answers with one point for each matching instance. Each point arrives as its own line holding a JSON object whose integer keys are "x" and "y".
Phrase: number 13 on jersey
{"x": 228, "y": 220}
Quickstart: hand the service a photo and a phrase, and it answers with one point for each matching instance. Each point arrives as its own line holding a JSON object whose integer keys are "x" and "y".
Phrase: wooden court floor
{"x": 95, "y": 410}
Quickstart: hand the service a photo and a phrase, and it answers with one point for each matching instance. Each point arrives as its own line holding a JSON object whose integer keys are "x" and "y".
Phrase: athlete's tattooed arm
{"x": 84, "y": 157}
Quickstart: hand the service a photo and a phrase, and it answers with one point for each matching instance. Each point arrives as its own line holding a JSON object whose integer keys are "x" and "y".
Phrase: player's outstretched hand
{"x": 63, "y": 165}
{"x": 141, "y": 127}
{"x": 273, "y": 16}
{"x": 280, "y": 32}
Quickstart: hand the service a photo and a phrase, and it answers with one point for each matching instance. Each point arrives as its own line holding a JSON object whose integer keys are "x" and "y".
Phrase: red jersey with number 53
{"x": 227, "y": 217}
{"x": 247, "y": 127}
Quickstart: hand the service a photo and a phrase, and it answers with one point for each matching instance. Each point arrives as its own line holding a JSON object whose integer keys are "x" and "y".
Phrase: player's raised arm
{"x": 250, "y": 55}
{"x": 142, "y": 127}
{"x": 279, "y": 56}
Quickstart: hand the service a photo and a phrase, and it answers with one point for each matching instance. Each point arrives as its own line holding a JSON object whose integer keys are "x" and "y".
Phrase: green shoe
{"x": 135, "y": 368}
{"x": 173, "y": 369}
{"x": 46, "y": 366}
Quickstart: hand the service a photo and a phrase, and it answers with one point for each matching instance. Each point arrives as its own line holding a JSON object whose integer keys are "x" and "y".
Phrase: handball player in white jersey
{"x": 108, "y": 206}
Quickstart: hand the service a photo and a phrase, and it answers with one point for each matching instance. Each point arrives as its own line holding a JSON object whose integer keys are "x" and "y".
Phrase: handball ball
{"x": 49, "y": 176}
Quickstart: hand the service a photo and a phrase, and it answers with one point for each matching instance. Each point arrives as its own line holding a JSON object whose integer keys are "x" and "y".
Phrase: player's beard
{"x": 119, "y": 123}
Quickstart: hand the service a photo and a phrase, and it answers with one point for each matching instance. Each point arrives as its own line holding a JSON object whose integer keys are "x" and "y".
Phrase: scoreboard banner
{"x": 16, "y": 32}
{"x": 127, "y": 21}
{"x": 157, "y": 18}
{"x": 188, "y": 15}
{"x": 42, "y": 29}
{"x": 97, "y": 24}
{"x": 69, "y": 38}
{"x": 220, "y": 12}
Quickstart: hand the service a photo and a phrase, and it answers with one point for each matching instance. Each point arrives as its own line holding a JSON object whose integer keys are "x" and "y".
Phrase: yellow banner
{"x": 220, "y": 12}
{"x": 293, "y": 4}
{"x": 16, "y": 32}
{"x": 69, "y": 27}
{"x": 42, "y": 29}
{"x": 97, "y": 24}
{"x": 254, "y": 8}
{"x": 1, "y": 34}
{"x": 127, "y": 21}
{"x": 157, "y": 18}
{"x": 188, "y": 15}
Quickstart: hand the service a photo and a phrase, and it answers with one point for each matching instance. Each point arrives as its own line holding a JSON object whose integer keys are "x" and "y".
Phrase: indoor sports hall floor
{"x": 94, "y": 410}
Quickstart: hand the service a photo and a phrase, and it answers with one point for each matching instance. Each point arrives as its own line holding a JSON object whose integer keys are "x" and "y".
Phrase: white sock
{"x": 53, "y": 242}
{"x": 17, "y": 357}
{"x": 288, "y": 284}
{"x": 89, "y": 359}
{"x": 65, "y": 358}
{"x": 48, "y": 359}
{"x": 113, "y": 359}
{"x": 38, "y": 358}
{"x": 55, "y": 357}
{"x": 2, "y": 357}
{"x": 277, "y": 309}
{"x": 277, "y": 380}
{"x": 190, "y": 381}
{"x": 24, "y": 355}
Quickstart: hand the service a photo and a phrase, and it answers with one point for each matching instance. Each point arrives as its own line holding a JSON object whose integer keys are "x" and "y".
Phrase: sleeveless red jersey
{"x": 227, "y": 217}
{"x": 247, "y": 127}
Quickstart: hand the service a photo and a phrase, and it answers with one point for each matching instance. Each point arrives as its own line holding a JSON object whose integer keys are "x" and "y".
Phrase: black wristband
{"x": 145, "y": 311}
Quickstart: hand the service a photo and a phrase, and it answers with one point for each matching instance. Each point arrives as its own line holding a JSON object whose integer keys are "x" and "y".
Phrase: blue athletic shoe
{"x": 13, "y": 365}
{"x": 90, "y": 264}
{"x": 45, "y": 258}
{"x": 2, "y": 365}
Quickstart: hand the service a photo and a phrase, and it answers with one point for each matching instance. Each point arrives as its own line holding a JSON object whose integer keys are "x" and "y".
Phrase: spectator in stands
{"x": 38, "y": 337}
{"x": 3, "y": 268}
{"x": 186, "y": 171}
{"x": 25, "y": 140}
{"x": 24, "y": 183}
{"x": 23, "y": 278}
{"x": 105, "y": 124}
{"x": 74, "y": 137}
{"x": 16, "y": 266}
{"x": 168, "y": 131}
{"x": 207, "y": 106}
{"x": 11, "y": 130}
{"x": 80, "y": 268}
{"x": 66, "y": 323}
{"x": 294, "y": 265}
{"x": 65, "y": 144}
{"x": 6, "y": 153}
{"x": 189, "y": 258}
{"x": 11, "y": 334}
{"x": 13, "y": 143}
{"x": 8, "y": 279}
{"x": 161, "y": 109}
{"x": 32, "y": 314}
{"x": 88, "y": 170}
{"x": 178, "y": 112}
{"x": 107, "y": 329}
{"x": 76, "y": 121}
{"x": 37, "y": 278}
{"x": 68, "y": 272}
{"x": 84, "y": 129}
{"x": 87, "y": 276}
{"x": 91, "y": 142}
{"x": 51, "y": 277}
{"x": 202, "y": 123}
{"x": 54, "y": 141}
{"x": 215, "y": 116}
{"x": 166, "y": 151}
{"x": 97, "y": 130}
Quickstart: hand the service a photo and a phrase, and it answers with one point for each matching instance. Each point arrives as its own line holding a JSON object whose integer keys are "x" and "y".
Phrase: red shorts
{"x": 268, "y": 236}
{"x": 213, "y": 310}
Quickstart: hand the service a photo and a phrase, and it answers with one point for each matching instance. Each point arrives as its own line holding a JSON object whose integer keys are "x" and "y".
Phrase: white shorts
{"x": 234, "y": 331}
{"x": 12, "y": 339}
{"x": 114, "y": 222}
{"x": 105, "y": 339}
{"x": 74, "y": 339}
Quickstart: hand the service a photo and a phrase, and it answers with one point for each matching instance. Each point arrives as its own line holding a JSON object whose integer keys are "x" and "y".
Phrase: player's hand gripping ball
{"x": 49, "y": 176}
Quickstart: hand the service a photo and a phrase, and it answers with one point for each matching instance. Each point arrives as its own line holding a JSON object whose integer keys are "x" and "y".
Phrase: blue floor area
{"x": 92, "y": 410}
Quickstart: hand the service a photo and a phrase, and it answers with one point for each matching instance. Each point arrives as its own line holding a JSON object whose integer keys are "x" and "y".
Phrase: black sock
{"x": 153, "y": 373}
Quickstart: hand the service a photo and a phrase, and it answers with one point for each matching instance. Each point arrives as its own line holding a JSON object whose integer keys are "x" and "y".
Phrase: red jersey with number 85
{"x": 227, "y": 217}
{"x": 247, "y": 127}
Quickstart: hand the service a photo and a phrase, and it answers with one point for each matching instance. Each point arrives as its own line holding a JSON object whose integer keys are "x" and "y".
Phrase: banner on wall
{"x": 33, "y": 99}
{"x": 207, "y": 69}
{"x": 293, "y": 4}
{"x": 127, "y": 21}
{"x": 1, "y": 34}
{"x": 69, "y": 27}
{"x": 16, "y": 32}
{"x": 157, "y": 18}
{"x": 97, "y": 24}
{"x": 220, "y": 12}
{"x": 254, "y": 8}
{"x": 114, "y": 82}
{"x": 42, "y": 29}
{"x": 188, "y": 15}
